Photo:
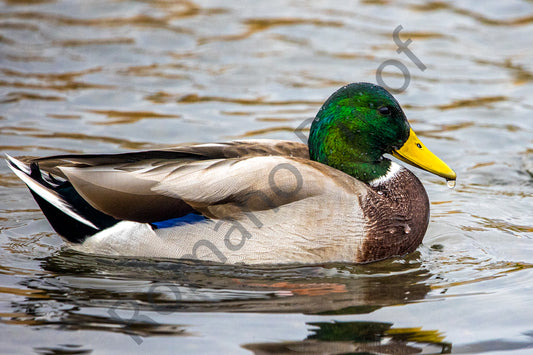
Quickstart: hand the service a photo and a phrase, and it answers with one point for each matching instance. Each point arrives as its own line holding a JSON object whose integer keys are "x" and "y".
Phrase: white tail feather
{"x": 23, "y": 171}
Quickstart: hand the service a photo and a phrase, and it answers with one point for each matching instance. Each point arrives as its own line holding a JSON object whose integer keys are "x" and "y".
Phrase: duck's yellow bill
{"x": 415, "y": 153}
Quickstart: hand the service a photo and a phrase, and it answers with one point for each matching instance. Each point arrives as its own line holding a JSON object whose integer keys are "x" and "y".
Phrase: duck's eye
{"x": 384, "y": 110}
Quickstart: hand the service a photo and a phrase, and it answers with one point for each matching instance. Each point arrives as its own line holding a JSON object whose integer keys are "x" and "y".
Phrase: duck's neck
{"x": 346, "y": 152}
{"x": 362, "y": 171}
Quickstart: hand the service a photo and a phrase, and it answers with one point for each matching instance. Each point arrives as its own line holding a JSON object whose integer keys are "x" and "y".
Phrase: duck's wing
{"x": 235, "y": 149}
{"x": 217, "y": 180}
{"x": 151, "y": 190}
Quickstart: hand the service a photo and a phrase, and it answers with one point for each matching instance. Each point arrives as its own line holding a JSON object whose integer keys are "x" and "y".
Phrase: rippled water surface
{"x": 110, "y": 76}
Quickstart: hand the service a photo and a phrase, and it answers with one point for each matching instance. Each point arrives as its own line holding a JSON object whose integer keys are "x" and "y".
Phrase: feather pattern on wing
{"x": 216, "y": 188}
{"x": 156, "y": 185}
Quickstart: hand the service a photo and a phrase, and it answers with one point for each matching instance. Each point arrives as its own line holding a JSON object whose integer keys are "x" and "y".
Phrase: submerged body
{"x": 253, "y": 202}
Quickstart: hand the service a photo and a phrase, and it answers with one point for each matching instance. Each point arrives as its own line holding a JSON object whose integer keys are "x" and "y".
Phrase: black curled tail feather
{"x": 67, "y": 212}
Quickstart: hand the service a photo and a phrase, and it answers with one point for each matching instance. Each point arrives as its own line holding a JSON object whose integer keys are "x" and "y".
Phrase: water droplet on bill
{"x": 450, "y": 183}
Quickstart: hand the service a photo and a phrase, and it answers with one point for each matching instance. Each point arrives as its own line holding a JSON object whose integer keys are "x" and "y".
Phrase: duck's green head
{"x": 360, "y": 123}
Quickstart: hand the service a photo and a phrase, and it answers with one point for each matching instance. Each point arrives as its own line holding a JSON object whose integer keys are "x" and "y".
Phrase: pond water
{"x": 112, "y": 76}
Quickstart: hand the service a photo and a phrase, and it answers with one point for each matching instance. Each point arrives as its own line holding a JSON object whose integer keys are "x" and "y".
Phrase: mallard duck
{"x": 337, "y": 199}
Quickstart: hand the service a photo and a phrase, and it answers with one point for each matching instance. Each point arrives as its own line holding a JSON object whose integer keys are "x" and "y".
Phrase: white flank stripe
{"x": 47, "y": 194}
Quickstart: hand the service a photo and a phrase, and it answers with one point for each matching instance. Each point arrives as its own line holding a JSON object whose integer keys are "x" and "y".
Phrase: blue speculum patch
{"x": 190, "y": 218}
